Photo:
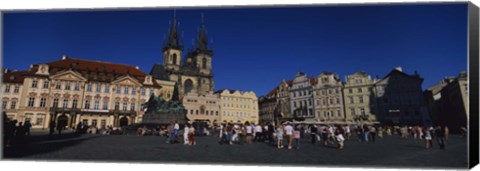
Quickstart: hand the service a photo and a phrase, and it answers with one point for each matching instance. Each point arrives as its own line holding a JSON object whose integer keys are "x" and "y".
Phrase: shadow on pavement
{"x": 39, "y": 144}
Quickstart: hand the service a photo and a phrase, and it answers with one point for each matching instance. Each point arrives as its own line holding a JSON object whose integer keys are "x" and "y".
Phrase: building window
{"x": 31, "y": 101}
{"x": 331, "y": 101}
{"x": 143, "y": 91}
{"x": 352, "y": 110}
{"x": 125, "y": 104}
{"x": 216, "y": 113}
{"x": 103, "y": 123}
{"x": 360, "y": 99}
{"x": 351, "y": 100}
{"x": 13, "y": 105}
{"x": 77, "y": 86}
{"x": 329, "y": 91}
{"x": 7, "y": 88}
{"x": 151, "y": 92}
{"x": 16, "y": 89}
{"x": 55, "y": 103}
{"x": 94, "y": 123}
{"x": 118, "y": 89}
{"x": 132, "y": 106}
{"x": 46, "y": 83}
{"x": 339, "y": 113}
{"x": 107, "y": 88}
{"x": 105, "y": 105}
{"x": 117, "y": 105}
{"x": 338, "y": 100}
{"x": 58, "y": 86}
{"x": 89, "y": 87}
{"x": 350, "y": 91}
{"x": 39, "y": 120}
{"x": 337, "y": 91}
{"x": 4, "y": 105}
{"x": 295, "y": 104}
{"x": 87, "y": 104}
{"x": 359, "y": 90}
{"x": 67, "y": 85}
{"x": 34, "y": 83}
{"x": 125, "y": 90}
{"x": 196, "y": 112}
{"x": 134, "y": 91}
{"x": 74, "y": 103}
{"x": 96, "y": 105}
{"x": 323, "y": 102}
{"x": 99, "y": 88}
{"x": 65, "y": 103}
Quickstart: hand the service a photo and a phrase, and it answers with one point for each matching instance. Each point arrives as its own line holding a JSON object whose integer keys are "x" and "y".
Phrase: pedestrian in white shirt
{"x": 289, "y": 133}
{"x": 186, "y": 131}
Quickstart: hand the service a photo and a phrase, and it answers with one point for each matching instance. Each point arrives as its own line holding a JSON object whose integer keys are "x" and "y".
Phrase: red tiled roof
{"x": 15, "y": 76}
{"x": 91, "y": 70}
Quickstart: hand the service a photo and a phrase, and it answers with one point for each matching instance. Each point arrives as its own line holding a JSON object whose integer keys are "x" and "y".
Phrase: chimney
{"x": 137, "y": 67}
{"x": 399, "y": 69}
{"x": 64, "y": 57}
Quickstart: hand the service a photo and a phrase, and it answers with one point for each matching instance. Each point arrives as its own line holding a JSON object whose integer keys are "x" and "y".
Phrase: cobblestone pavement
{"x": 387, "y": 152}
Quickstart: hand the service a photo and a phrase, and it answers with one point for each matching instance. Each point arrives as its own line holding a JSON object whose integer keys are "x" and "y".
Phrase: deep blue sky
{"x": 255, "y": 48}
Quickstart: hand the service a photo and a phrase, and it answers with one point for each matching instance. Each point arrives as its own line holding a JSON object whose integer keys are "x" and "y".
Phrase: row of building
{"x": 396, "y": 98}
{"x": 96, "y": 93}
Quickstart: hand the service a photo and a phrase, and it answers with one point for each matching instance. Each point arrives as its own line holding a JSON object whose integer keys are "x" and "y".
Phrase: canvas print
{"x": 379, "y": 85}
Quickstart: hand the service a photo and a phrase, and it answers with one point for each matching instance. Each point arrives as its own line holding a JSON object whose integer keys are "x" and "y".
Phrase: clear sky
{"x": 256, "y": 47}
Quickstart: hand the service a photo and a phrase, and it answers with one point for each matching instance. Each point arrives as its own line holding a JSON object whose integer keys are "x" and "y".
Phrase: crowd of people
{"x": 285, "y": 135}
{"x": 15, "y": 133}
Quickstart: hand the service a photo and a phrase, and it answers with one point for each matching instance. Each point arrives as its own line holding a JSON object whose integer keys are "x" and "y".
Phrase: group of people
{"x": 15, "y": 133}
{"x": 230, "y": 133}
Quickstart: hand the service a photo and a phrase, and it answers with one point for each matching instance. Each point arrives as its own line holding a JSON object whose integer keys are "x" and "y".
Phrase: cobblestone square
{"x": 391, "y": 151}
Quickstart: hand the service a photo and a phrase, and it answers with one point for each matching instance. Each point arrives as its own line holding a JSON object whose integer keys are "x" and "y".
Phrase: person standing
{"x": 279, "y": 136}
{"x": 313, "y": 133}
{"x": 440, "y": 134}
{"x": 339, "y": 136}
{"x": 176, "y": 128}
{"x": 191, "y": 135}
{"x": 27, "y": 126}
{"x": 297, "y": 136}
{"x": 366, "y": 132}
{"x": 271, "y": 130}
{"x": 447, "y": 132}
{"x": 243, "y": 134}
{"x": 186, "y": 132}
{"x": 51, "y": 126}
{"x": 20, "y": 133}
{"x": 324, "y": 130}
{"x": 428, "y": 138}
{"x": 249, "y": 131}
{"x": 289, "y": 133}
{"x": 373, "y": 133}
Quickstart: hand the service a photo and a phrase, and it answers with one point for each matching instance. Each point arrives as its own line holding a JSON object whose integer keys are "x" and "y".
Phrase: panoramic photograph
{"x": 376, "y": 85}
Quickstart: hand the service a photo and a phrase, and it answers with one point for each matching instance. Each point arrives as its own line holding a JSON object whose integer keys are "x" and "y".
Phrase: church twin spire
{"x": 173, "y": 41}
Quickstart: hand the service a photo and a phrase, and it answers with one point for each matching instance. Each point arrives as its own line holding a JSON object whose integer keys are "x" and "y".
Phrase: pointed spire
{"x": 173, "y": 37}
{"x": 202, "y": 40}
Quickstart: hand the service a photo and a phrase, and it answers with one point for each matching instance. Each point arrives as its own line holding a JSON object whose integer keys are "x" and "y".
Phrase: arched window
{"x": 174, "y": 58}
{"x": 188, "y": 86}
{"x": 204, "y": 63}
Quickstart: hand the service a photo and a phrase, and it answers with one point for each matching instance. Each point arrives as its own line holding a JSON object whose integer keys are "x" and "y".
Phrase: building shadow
{"x": 40, "y": 144}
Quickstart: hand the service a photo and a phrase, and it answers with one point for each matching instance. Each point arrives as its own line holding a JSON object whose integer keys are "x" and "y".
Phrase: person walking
{"x": 271, "y": 130}
{"x": 297, "y": 136}
{"x": 447, "y": 132}
{"x": 27, "y": 126}
{"x": 440, "y": 134}
{"x": 366, "y": 132}
{"x": 313, "y": 133}
{"x": 428, "y": 138}
{"x": 324, "y": 131}
{"x": 289, "y": 133}
{"x": 186, "y": 132}
{"x": 339, "y": 136}
{"x": 52, "y": 128}
{"x": 373, "y": 133}
{"x": 249, "y": 131}
{"x": 191, "y": 137}
{"x": 279, "y": 136}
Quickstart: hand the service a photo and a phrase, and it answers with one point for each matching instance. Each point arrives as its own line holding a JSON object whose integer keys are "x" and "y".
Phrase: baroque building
{"x": 358, "y": 97}
{"x": 192, "y": 73}
{"x": 328, "y": 98}
{"x": 301, "y": 97}
{"x": 399, "y": 99}
{"x": 69, "y": 91}
{"x": 237, "y": 106}
{"x": 204, "y": 107}
{"x": 448, "y": 102}
{"x": 267, "y": 105}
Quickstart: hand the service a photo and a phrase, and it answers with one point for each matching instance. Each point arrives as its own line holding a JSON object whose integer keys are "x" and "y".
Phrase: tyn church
{"x": 194, "y": 73}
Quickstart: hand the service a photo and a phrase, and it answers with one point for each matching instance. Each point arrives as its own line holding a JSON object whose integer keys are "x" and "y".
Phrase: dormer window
{"x": 34, "y": 83}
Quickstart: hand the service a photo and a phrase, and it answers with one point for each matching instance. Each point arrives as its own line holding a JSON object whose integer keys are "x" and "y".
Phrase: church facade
{"x": 194, "y": 72}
